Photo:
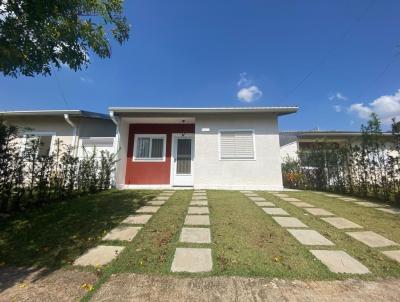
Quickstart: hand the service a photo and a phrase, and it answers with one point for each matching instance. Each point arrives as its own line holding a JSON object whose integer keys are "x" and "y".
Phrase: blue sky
{"x": 336, "y": 60}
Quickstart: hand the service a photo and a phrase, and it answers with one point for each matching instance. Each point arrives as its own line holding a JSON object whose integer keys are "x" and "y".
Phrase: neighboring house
{"x": 219, "y": 148}
{"x": 80, "y": 129}
{"x": 292, "y": 142}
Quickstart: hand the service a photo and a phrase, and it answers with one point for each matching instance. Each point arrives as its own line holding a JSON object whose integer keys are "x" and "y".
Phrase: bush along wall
{"x": 29, "y": 179}
{"x": 368, "y": 167}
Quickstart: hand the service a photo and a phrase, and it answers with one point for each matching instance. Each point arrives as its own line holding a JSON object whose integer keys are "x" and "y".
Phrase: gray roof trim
{"x": 279, "y": 110}
{"x": 82, "y": 113}
{"x": 325, "y": 133}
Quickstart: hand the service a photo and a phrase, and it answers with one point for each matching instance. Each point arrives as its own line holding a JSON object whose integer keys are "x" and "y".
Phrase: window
{"x": 45, "y": 140}
{"x": 149, "y": 147}
{"x": 88, "y": 145}
{"x": 236, "y": 144}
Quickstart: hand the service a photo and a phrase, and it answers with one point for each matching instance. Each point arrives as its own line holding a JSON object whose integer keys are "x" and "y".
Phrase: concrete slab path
{"x": 371, "y": 239}
{"x": 319, "y": 212}
{"x": 289, "y": 222}
{"x": 199, "y": 203}
{"x": 197, "y": 220}
{"x": 340, "y": 262}
{"x": 195, "y": 235}
{"x": 99, "y": 255}
{"x": 341, "y": 223}
{"x": 198, "y": 210}
{"x": 122, "y": 233}
{"x": 309, "y": 237}
{"x": 192, "y": 260}
{"x": 148, "y": 209}
{"x": 137, "y": 219}
{"x": 395, "y": 255}
{"x": 302, "y": 204}
{"x": 265, "y": 204}
{"x": 276, "y": 211}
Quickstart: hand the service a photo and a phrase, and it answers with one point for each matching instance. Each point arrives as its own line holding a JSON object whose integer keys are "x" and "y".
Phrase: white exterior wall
{"x": 263, "y": 173}
{"x": 289, "y": 151}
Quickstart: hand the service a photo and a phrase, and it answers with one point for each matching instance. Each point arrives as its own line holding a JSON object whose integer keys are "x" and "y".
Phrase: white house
{"x": 213, "y": 148}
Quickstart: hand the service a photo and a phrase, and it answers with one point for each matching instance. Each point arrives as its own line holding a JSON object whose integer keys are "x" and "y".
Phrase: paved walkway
{"x": 146, "y": 288}
{"x": 195, "y": 231}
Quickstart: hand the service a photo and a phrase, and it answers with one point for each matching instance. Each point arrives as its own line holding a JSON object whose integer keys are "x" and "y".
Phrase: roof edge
{"x": 57, "y": 112}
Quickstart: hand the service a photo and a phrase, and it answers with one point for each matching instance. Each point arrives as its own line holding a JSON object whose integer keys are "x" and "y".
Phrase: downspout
{"x": 116, "y": 145}
{"x": 74, "y": 132}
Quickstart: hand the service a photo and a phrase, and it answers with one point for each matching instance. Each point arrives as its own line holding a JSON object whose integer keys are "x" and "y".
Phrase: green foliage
{"x": 368, "y": 168}
{"x": 28, "y": 179}
{"x": 34, "y": 35}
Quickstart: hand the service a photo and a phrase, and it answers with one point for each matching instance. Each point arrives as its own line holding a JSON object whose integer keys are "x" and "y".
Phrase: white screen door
{"x": 182, "y": 167}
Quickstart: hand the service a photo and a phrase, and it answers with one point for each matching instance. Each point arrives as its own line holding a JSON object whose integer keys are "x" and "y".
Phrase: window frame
{"x": 26, "y": 134}
{"x": 237, "y": 159}
{"x": 151, "y": 136}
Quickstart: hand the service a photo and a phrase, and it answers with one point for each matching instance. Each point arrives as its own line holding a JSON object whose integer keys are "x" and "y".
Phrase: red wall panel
{"x": 152, "y": 173}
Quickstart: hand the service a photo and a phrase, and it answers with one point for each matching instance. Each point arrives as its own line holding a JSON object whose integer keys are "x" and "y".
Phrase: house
{"x": 77, "y": 128}
{"x": 213, "y": 148}
{"x": 291, "y": 142}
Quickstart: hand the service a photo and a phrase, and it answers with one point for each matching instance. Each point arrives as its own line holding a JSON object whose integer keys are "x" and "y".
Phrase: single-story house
{"x": 292, "y": 142}
{"x": 77, "y": 128}
{"x": 211, "y": 148}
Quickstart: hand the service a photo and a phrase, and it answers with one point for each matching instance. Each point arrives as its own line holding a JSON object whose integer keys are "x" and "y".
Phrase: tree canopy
{"x": 38, "y": 34}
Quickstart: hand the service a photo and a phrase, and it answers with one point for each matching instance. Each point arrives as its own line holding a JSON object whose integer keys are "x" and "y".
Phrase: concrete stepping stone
{"x": 389, "y": 210}
{"x": 281, "y": 195}
{"x": 199, "y": 198}
{"x": 122, "y": 233}
{"x": 199, "y": 203}
{"x": 265, "y": 204}
{"x": 318, "y": 212}
{"x": 148, "y": 209}
{"x": 290, "y": 199}
{"x": 257, "y": 198}
{"x": 371, "y": 239}
{"x": 276, "y": 211}
{"x": 249, "y": 195}
{"x": 302, "y": 204}
{"x": 99, "y": 255}
{"x": 289, "y": 222}
{"x": 197, "y": 220}
{"x": 340, "y": 262}
{"x": 395, "y": 255}
{"x": 137, "y": 219}
{"x": 347, "y": 199}
{"x": 195, "y": 235}
{"x": 310, "y": 237}
{"x": 161, "y": 198}
{"x": 157, "y": 202}
{"x": 198, "y": 210}
{"x": 192, "y": 260}
{"x": 341, "y": 223}
{"x": 369, "y": 204}
{"x": 333, "y": 195}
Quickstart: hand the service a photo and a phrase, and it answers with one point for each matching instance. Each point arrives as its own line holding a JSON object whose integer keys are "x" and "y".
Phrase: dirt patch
{"x": 133, "y": 287}
{"x": 30, "y": 284}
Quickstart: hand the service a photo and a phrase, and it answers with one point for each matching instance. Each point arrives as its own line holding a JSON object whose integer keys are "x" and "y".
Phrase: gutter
{"x": 74, "y": 132}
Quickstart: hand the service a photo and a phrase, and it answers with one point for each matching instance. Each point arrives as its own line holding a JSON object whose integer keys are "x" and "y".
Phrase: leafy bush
{"x": 29, "y": 179}
{"x": 368, "y": 168}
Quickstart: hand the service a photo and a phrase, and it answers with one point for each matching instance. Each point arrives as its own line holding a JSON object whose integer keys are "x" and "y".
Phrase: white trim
{"x": 237, "y": 159}
{"x": 151, "y": 136}
{"x": 172, "y": 170}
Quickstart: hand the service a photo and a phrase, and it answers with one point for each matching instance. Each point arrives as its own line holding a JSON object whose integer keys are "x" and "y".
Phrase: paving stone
{"x": 195, "y": 235}
{"x": 310, "y": 237}
{"x": 340, "y": 262}
{"x": 161, "y": 198}
{"x": 199, "y": 198}
{"x": 265, "y": 204}
{"x": 369, "y": 204}
{"x": 198, "y": 210}
{"x": 371, "y": 239}
{"x": 137, "y": 219}
{"x": 347, "y": 199}
{"x": 148, "y": 209}
{"x": 197, "y": 220}
{"x": 318, "y": 212}
{"x": 289, "y": 222}
{"x": 99, "y": 255}
{"x": 281, "y": 195}
{"x": 341, "y": 223}
{"x": 122, "y": 233}
{"x": 249, "y": 195}
{"x": 395, "y": 255}
{"x": 302, "y": 204}
{"x": 275, "y": 211}
{"x": 157, "y": 202}
{"x": 192, "y": 260}
{"x": 199, "y": 203}
{"x": 257, "y": 198}
{"x": 333, "y": 195}
{"x": 389, "y": 210}
{"x": 290, "y": 199}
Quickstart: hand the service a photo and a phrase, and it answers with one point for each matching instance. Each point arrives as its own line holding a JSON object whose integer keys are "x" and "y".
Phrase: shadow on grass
{"x": 57, "y": 234}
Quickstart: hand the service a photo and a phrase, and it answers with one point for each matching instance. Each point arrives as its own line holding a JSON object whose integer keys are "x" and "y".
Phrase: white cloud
{"x": 86, "y": 80}
{"x": 249, "y": 94}
{"x": 244, "y": 80}
{"x": 337, "y": 108}
{"x": 386, "y": 107}
{"x": 338, "y": 96}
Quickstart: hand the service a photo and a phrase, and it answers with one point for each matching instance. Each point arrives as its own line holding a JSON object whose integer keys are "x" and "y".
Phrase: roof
{"x": 82, "y": 113}
{"x": 325, "y": 133}
{"x": 199, "y": 110}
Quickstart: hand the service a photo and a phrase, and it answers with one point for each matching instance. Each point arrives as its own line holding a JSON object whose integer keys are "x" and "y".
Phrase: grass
{"x": 53, "y": 236}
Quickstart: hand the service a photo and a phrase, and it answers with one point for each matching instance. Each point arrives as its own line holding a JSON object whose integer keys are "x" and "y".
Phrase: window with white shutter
{"x": 236, "y": 144}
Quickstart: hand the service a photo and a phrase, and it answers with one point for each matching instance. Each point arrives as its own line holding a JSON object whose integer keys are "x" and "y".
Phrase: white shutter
{"x": 237, "y": 144}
